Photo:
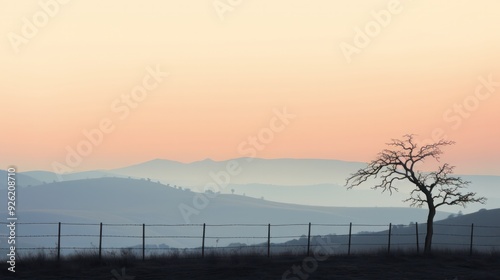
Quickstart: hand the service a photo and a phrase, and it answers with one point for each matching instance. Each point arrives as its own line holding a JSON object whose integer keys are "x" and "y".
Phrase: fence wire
{"x": 268, "y": 238}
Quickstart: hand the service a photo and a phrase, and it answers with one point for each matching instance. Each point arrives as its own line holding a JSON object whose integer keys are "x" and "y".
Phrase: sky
{"x": 104, "y": 84}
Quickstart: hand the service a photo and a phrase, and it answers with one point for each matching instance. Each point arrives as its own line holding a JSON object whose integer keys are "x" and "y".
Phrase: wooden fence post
{"x": 416, "y": 234}
{"x": 143, "y": 242}
{"x": 350, "y": 235}
{"x": 389, "y": 241}
{"x": 268, "y": 240}
{"x": 59, "y": 243}
{"x": 100, "y": 242}
{"x": 203, "y": 242}
{"x": 309, "y": 240}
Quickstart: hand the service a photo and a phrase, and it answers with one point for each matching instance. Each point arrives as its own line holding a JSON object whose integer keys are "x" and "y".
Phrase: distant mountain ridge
{"x": 253, "y": 170}
{"x": 49, "y": 177}
{"x": 282, "y": 171}
{"x": 22, "y": 178}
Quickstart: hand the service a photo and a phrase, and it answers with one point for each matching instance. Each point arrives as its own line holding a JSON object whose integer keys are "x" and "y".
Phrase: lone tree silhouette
{"x": 435, "y": 189}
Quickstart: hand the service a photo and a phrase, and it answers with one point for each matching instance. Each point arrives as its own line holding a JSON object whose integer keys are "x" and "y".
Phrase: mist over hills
{"x": 263, "y": 191}
{"x": 151, "y": 202}
{"x": 136, "y": 201}
{"x": 114, "y": 200}
{"x": 317, "y": 182}
{"x": 285, "y": 172}
{"x": 132, "y": 201}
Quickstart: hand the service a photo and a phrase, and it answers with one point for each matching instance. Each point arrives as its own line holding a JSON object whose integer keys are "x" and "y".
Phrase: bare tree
{"x": 398, "y": 163}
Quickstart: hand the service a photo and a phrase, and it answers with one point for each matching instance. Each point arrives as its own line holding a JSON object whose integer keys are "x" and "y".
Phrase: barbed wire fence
{"x": 273, "y": 239}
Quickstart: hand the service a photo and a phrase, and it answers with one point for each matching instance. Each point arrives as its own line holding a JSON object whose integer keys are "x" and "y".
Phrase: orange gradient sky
{"x": 229, "y": 70}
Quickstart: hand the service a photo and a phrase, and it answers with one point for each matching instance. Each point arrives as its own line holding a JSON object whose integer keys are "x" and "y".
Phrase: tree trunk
{"x": 430, "y": 229}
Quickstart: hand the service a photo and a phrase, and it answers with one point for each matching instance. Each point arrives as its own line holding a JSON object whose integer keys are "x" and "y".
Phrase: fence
{"x": 469, "y": 237}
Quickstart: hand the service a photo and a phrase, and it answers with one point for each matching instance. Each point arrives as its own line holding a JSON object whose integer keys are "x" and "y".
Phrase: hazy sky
{"x": 353, "y": 74}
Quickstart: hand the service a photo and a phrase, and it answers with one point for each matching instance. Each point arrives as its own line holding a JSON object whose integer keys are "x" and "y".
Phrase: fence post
{"x": 389, "y": 241}
{"x": 203, "y": 242}
{"x": 143, "y": 242}
{"x": 268, "y": 240}
{"x": 350, "y": 234}
{"x": 59, "y": 243}
{"x": 416, "y": 234}
{"x": 100, "y": 242}
{"x": 471, "y": 238}
{"x": 309, "y": 240}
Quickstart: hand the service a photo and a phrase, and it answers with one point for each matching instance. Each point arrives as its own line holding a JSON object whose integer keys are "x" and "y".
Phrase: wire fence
{"x": 263, "y": 239}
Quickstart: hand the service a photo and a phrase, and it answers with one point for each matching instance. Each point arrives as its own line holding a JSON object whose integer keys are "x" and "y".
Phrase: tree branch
{"x": 398, "y": 164}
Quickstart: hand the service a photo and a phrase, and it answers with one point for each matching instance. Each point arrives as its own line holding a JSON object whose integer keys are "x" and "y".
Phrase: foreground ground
{"x": 240, "y": 267}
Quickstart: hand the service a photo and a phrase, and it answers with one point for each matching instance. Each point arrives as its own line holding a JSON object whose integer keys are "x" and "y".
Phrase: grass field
{"x": 442, "y": 265}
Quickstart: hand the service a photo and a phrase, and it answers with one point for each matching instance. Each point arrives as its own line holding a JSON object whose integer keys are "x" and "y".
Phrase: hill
{"x": 22, "y": 180}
